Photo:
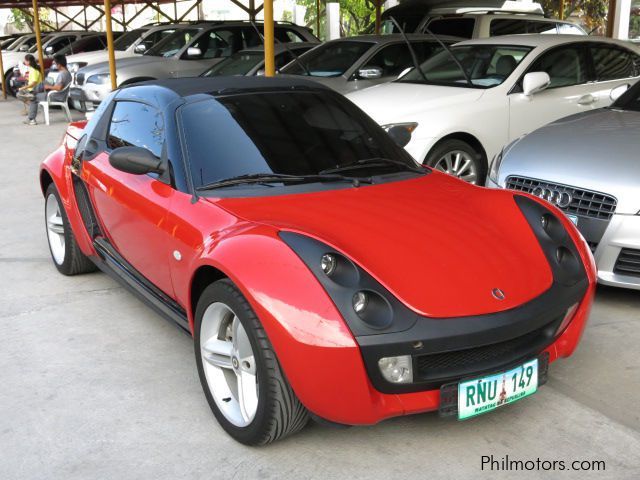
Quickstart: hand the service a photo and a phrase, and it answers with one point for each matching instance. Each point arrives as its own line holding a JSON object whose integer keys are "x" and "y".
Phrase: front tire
{"x": 65, "y": 252}
{"x": 239, "y": 371}
{"x": 458, "y": 158}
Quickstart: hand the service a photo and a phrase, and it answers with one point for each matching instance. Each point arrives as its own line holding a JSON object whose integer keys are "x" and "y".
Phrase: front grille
{"x": 584, "y": 202}
{"x": 628, "y": 262}
{"x": 80, "y": 78}
{"x": 460, "y": 363}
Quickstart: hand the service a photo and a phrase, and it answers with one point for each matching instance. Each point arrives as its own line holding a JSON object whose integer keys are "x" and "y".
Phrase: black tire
{"x": 75, "y": 262}
{"x": 445, "y": 147}
{"x": 7, "y": 81}
{"x": 279, "y": 412}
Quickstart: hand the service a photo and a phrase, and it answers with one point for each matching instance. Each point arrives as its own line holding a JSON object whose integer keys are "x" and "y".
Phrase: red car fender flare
{"x": 314, "y": 346}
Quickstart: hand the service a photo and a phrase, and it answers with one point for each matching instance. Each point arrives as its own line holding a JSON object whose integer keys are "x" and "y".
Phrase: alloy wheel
{"x": 459, "y": 164}
{"x": 229, "y": 364}
{"x": 55, "y": 229}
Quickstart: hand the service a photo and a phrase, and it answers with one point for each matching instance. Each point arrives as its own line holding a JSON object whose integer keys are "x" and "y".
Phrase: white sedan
{"x": 510, "y": 86}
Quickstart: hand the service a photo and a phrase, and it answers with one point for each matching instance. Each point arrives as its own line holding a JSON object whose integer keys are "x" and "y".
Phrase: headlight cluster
{"x": 495, "y": 167}
{"x": 556, "y": 243}
{"x": 408, "y": 126}
{"x": 367, "y": 307}
{"x": 99, "y": 79}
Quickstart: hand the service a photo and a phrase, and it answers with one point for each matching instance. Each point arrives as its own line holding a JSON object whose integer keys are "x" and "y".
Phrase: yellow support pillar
{"x": 561, "y": 10}
{"x": 36, "y": 28}
{"x": 269, "y": 58}
{"x": 112, "y": 57}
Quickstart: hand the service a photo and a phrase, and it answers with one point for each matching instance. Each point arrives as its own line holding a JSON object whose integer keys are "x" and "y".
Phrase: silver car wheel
{"x": 229, "y": 364}
{"x": 55, "y": 229}
{"x": 459, "y": 164}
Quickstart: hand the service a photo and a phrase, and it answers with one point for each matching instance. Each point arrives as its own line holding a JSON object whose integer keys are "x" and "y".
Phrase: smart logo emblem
{"x": 558, "y": 198}
{"x": 497, "y": 294}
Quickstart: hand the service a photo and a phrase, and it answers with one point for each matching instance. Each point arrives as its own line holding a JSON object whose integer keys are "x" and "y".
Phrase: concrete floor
{"x": 94, "y": 385}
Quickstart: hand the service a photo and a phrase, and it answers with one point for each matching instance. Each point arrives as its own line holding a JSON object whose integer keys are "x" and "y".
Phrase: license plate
{"x": 573, "y": 218}
{"x": 481, "y": 395}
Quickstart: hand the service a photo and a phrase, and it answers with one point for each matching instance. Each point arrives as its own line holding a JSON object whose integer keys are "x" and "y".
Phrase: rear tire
{"x": 459, "y": 159}
{"x": 7, "y": 81}
{"x": 65, "y": 252}
{"x": 239, "y": 371}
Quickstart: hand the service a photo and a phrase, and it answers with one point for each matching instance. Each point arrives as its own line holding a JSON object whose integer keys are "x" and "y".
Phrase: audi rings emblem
{"x": 559, "y": 198}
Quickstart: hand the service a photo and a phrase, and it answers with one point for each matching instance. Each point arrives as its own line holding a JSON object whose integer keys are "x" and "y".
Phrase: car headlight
{"x": 495, "y": 167}
{"x": 99, "y": 79}
{"x": 75, "y": 66}
{"x": 408, "y": 126}
{"x": 367, "y": 307}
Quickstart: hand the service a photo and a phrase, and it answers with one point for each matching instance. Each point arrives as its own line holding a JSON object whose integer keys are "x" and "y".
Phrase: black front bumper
{"x": 445, "y": 350}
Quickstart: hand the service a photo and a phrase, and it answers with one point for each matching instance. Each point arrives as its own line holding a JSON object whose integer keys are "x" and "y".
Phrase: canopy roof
{"x": 70, "y": 3}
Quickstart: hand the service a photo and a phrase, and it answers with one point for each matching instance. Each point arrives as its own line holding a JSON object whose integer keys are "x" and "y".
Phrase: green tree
{"x": 592, "y": 13}
{"x": 356, "y": 15}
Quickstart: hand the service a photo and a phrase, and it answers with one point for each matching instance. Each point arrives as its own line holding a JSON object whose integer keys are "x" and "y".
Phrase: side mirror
{"x": 400, "y": 135}
{"x": 194, "y": 52}
{"x": 370, "y": 73}
{"x": 135, "y": 160}
{"x": 261, "y": 72}
{"x": 49, "y": 50}
{"x": 535, "y": 82}
{"x": 617, "y": 92}
{"x": 23, "y": 48}
{"x": 140, "y": 48}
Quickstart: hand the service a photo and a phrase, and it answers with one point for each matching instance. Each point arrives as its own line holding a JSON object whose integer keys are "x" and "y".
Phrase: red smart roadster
{"x": 322, "y": 273}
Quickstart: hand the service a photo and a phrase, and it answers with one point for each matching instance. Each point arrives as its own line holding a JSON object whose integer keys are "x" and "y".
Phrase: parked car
{"x": 189, "y": 51}
{"x": 15, "y": 54}
{"x": 250, "y": 61}
{"x": 587, "y": 165}
{"x": 51, "y": 44}
{"x": 276, "y": 232}
{"x": 468, "y": 20}
{"x": 516, "y": 84}
{"x": 355, "y": 63}
{"x": 7, "y": 41}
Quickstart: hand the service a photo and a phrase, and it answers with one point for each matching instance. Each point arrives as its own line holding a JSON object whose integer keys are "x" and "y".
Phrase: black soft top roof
{"x": 185, "y": 87}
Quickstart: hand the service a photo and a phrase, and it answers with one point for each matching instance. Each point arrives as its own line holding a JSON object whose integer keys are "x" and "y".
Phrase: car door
{"x": 569, "y": 91}
{"x": 612, "y": 66}
{"x": 131, "y": 209}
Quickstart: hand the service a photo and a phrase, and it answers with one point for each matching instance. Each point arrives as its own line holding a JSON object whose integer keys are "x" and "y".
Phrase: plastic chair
{"x": 62, "y": 97}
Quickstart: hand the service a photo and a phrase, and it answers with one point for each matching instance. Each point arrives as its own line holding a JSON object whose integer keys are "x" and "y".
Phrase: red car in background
{"x": 320, "y": 270}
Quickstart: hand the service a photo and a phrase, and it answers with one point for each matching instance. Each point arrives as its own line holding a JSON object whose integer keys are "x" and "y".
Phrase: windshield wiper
{"x": 372, "y": 162}
{"x": 281, "y": 178}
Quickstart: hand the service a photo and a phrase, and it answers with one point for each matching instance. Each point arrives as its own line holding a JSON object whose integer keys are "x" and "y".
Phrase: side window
{"x": 546, "y": 28}
{"x": 568, "y": 29}
{"x": 566, "y": 66}
{"x": 135, "y": 124}
{"x": 156, "y": 37}
{"x": 282, "y": 59}
{"x": 393, "y": 59}
{"x": 60, "y": 43}
{"x": 219, "y": 43}
{"x": 507, "y": 26}
{"x": 457, "y": 27}
{"x": 287, "y": 35}
{"x": 612, "y": 63}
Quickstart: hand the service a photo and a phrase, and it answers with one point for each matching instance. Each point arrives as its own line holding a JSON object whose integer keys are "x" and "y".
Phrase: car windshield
{"x": 237, "y": 64}
{"x": 173, "y": 43}
{"x": 486, "y": 66}
{"x": 331, "y": 59}
{"x": 127, "y": 39}
{"x": 285, "y": 133}
{"x": 629, "y": 100}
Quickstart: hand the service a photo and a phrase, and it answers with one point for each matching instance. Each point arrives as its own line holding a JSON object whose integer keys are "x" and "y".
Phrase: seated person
{"x": 64, "y": 79}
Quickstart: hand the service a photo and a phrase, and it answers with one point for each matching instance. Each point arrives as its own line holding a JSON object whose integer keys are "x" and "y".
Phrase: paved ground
{"x": 93, "y": 385}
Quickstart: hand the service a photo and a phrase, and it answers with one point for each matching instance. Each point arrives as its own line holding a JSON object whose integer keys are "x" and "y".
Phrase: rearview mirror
{"x": 370, "y": 73}
{"x": 194, "y": 52}
{"x": 617, "y": 92}
{"x": 535, "y": 82}
{"x": 140, "y": 48}
{"x": 400, "y": 135}
{"x": 135, "y": 160}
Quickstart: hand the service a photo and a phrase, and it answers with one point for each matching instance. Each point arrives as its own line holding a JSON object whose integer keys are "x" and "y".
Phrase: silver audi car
{"x": 588, "y": 165}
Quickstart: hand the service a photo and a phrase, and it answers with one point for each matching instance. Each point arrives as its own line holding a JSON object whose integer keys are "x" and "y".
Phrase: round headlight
{"x": 360, "y": 301}
{"x": 328, "y": 264}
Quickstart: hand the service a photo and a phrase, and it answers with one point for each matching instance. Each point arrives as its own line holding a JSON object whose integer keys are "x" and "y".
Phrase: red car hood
{"x": 439, "y": 245}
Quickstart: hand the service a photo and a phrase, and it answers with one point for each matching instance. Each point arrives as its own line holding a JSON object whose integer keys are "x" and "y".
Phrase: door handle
{"x": 587, "y": 99}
